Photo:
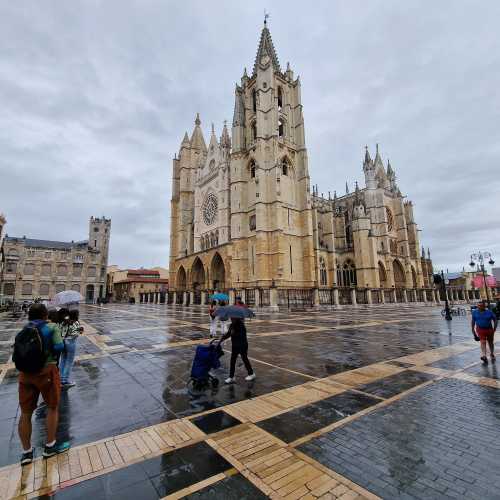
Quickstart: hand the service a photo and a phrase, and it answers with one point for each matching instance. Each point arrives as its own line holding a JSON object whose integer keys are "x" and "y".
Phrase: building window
{"x": 76, "y": 287}
{"x": 60, "y": 287}
{"x": 323, "y": 277}
{"x": 11, "y": 267}
{"x": 46, "y": 269}
{"x": 8, "y": 289}
{"x": 254, "y": 101}
{"x": 95, "y": 243}
{"x": 91, "y": 272}
{"x": 252, "y": 169}
{"x": 284, "y": 167}
{"x": 78, "y": 257}
{"x": 348, "y": 274}
{"x": 44, "y": 289}
{"x": 47, "y": 255}
{"x": 280, "y": 98}
{"x": 27, "y": 289}
{"x": 253, "y": 222}
{"x": 13, "y": 253}
{"x": 390, "y": 219}
{"x": 62, "y": 270}
{"x": 96, "y": 229}
{"x": 281, "y": 128}
{"x": 29, "y": 269}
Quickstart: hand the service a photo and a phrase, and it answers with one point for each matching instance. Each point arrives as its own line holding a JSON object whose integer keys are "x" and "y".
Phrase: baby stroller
{"x": 207, "y": 357}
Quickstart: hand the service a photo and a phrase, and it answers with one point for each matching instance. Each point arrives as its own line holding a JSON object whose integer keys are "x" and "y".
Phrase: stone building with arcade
{"x": 244, "y": 218}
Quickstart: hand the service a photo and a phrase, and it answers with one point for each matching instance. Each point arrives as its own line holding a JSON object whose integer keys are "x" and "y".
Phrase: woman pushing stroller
{"x": 239, "y": 346}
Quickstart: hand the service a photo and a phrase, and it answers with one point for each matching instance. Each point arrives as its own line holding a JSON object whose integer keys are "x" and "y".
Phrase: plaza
{"x": 386, "y": 401}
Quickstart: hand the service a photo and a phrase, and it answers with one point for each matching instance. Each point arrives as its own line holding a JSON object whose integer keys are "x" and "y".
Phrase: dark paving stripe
{"x": 400, "y": 364}
{"x": 458, "y": 361}
{"x": 215, "y": 422}
{"x": 491, "y": 370}
{"x": 395, "y": 384}
{"x": 153, "y": 478}
{"x": 441, "y": 441}
{"x": 296, "y": 423}
{"x": 235, "y": 487}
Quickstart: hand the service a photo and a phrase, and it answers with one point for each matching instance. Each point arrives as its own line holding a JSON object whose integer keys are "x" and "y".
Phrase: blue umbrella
{"x": 234, "y": 312}
{"x": 220, "y": 296}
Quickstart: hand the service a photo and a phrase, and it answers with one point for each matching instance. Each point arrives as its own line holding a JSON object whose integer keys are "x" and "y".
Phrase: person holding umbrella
{"x": 239, "y": 342}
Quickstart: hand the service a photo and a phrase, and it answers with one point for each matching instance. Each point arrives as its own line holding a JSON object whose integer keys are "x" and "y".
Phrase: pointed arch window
{"x": 252, "y": 169}
{"x": 280, "y": 98}
{"x": 323, "y": 277}
{"x": 348, "y": 274}
{"x": 254, "y": 131}
{"x": 281, "y": 128}
{"x": 254, "y": 100}
{"x": 284, "y": 167}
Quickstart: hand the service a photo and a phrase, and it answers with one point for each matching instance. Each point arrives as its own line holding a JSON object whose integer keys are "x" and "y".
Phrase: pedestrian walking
{"x": 484, "y": 324}
{"x": 238, "y": 302}
{"x": 35, "y": 350}
{"x": 71, "y": 330}
{"x": 213, "y": 319}
{"x": 239, "y": 347}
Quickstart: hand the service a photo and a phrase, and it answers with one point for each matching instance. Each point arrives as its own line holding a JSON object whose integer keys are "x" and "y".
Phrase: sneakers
{"x": 229, "y": 380}
{"x": 484, "y": 359}
{"x": 50, "y": 451}
{"x": 67, "y": 385}
{"x": 493, "y": 358}
{"x": 27, "y": 458}
{"x": 249, "y": 378}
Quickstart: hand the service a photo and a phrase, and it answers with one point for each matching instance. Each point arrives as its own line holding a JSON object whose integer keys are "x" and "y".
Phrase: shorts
{"x": 46, "y": 382}
{"x": 484, "y": 333}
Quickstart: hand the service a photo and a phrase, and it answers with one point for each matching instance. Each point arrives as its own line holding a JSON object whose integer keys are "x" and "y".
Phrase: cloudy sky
{"x": 95, "y": 97}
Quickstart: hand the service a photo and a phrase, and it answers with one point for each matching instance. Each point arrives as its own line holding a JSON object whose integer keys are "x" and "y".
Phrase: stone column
{"x": 244, "y": 296}
{"x": 424, "y": 295}
{"x": 336, "y": 300}
{"x": 405, "y": 296}
{"x": 203, "y": 298}
{"x": 353, "y": 297}
{"x": 232, "y": 295}
{"x": 382, "y": 296}
{"x": 184, "y": 297}
{"x": 316, "y": 297}
{"x": 257, "y": 298}
{"x": 191, "y": 298}
{"x": 273, "y": 296}
{"x": 437, "y": 298}
{"x": 394, "y": 296}
{"x": 415, "y": 296}
{"x": 369, "y": 296}
{"x": 174, "y": 297}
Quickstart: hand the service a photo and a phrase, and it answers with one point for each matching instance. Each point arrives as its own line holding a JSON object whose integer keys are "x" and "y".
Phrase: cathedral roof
{"x": 197, "y": 140}
{"x": 266, "y": 47}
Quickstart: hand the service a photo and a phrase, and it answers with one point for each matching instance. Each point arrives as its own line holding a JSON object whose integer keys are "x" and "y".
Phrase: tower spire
{"x": 266, "y": 51}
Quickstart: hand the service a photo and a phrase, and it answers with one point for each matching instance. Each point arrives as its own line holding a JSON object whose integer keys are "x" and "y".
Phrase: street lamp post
{"x": 447, "y": 312}
{"x": 479, "y": 258}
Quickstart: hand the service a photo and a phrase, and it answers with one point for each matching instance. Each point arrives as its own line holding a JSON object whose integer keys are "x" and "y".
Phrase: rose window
{"x": 209, "y": 209}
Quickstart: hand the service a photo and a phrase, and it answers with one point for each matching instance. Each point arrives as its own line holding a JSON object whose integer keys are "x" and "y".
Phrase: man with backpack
{"x": 36, "y": 349}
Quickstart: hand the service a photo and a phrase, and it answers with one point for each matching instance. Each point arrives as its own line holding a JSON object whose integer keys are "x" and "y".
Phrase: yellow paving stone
{"x": 339, "y": 490}
{"x": 95, "y": 459}
{"x": 253, "y": 451}
{"x": 265, "y": 471}
{"x": 104, "y": 455}
{"x": 323, "y": 481}
{"x": 74, "y": 464}
{"x": 155, "y": 436}
{"x": 191, "y": 430}
{"x": 63, "y": 466}
{"x": 269, "y": 459}
{"x": 303, "y": 476}
{"x": 301, "y": 470}
{"x": 84, "y": 461}
{"x": 327, "y": 496}
{"x": 52, "y": 471}
{"x": 27, "y": 484}
{"x": 140, "y": 443}
{"x": 40, "y": 467}
{"x": 151, "y": 444}
{"x": 195, "y": 487}
{"x": 264, "y": 452}
{"x": 15, "y": 482}
{"x": 283, "y": 472}
{"x": 165, "y": 433}
{"x": 114, "y": 453}
{"x": 296, "y": 494}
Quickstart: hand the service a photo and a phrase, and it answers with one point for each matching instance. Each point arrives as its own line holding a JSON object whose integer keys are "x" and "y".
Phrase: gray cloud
{"x": 95, "y": 98}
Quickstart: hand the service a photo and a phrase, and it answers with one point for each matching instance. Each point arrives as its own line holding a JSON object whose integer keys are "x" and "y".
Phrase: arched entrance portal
{"x": 218, "y": 273}
{"x": 198, "y": 275}
{"x": 181, "y": 279}
{"x": 399, "y": 274}
{"x": 382, "y": 275}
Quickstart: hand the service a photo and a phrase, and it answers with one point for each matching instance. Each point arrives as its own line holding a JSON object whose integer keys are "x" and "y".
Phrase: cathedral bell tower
{"x": 271, "y": 222}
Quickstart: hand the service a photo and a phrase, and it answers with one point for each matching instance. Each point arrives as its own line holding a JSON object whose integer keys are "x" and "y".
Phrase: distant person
{"x": 224, "y": 323}
{"x": 238, "y": 302}
{"x": 213, "y": 319}
{"x": 239, "y": 347}
{"x": 484, "y": 324}
{"x": 54, "y": 324}
{"x": 71, "y": 330}
{"x": 35, "y": 350}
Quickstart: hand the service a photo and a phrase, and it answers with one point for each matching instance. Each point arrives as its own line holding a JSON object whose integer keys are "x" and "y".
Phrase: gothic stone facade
{"x": 41, "y": 268}
{"x": 243, "y": 215}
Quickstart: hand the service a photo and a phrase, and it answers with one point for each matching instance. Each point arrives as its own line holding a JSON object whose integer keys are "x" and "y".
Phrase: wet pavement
{"x": 399, "y": 427}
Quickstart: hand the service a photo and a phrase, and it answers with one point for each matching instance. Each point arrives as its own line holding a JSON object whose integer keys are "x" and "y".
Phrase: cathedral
{"x": 245, "y": 220}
